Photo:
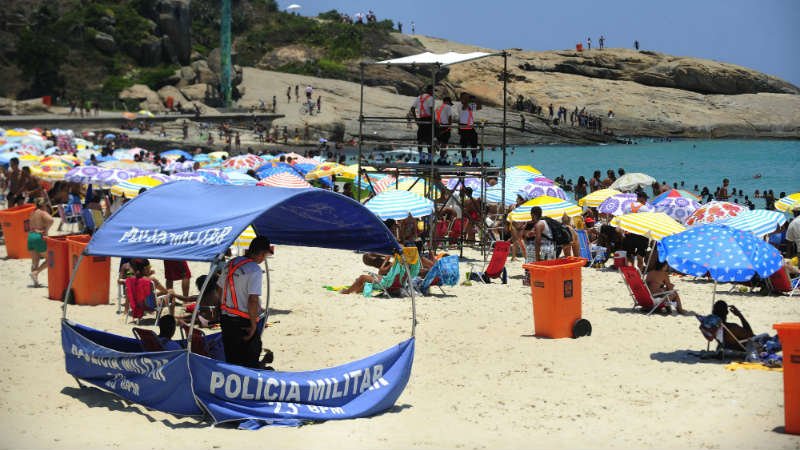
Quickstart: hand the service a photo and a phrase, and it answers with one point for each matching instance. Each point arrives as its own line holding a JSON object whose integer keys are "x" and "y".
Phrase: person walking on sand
{"x": 40, "y": 223}
{"x": 297, "y": 93}
{"x": 288, "y": 94}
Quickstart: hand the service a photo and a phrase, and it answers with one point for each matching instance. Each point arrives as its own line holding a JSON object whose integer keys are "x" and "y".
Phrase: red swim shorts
{"x": 176, "y": 270}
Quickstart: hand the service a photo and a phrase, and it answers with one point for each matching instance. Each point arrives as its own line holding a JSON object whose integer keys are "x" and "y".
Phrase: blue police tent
{"x": 199, "y": 222}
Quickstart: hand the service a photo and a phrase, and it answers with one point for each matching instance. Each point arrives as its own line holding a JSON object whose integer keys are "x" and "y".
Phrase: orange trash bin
{"x": 789, "y": 336}
{"x": 15, "y": 223}
{"x": 57, "y": 266}
{"x": 556, "y": 295}
{"x": 92, "y": 281}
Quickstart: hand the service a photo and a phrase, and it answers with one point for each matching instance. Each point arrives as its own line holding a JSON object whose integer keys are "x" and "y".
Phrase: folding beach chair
{"x": 393, "y": 283}
{"x": 497, "y": 264}
{"x": 148, "y": 339}
{"x": 780, "y": 282}
{"x": 137, "y": 291}
{"x": 199, "y": 346}
{"x": 70, "y": 214}
{"x": 714, "y": 329}
{"x": 592, "y": 254}
{"x": 640, "y": 293}
{"x": 444, "y": 272}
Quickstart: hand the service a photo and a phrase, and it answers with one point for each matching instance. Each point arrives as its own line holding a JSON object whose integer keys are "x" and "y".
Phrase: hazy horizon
{"x": 759, "y": 35}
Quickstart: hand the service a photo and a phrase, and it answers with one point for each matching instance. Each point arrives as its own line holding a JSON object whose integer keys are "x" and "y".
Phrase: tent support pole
{"x": 360, "y": 133}
{"x": 266, "y": 307}
{"x": 68, "y": 294}
{"x": 411, "y": 292}
{"x": 714, "y": 295}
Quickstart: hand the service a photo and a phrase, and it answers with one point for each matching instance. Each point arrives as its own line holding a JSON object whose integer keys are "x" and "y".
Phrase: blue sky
{"x": 760, "y": 34}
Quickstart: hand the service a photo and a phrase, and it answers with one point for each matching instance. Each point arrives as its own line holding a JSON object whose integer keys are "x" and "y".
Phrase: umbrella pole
{"x": 714, "y": 295}
{"x": 411, "y": 291}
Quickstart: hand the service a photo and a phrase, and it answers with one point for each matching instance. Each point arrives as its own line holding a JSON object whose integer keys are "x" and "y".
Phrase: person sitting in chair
{"x": 209, "y": 304}
{"x": 381, "y": 262}
{"x": 166, "y": 329}
{"x": 740, "y": 332}
{"x": 658, "y": 281}
{"x": 144, "y": 291}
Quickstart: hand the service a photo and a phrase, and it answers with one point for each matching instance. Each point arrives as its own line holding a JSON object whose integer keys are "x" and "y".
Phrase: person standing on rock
{"x": 297, "y": 93}
{"x": 422, "y": 109}
{"x": 588, "y": 43}
{"x": 636, "y": 44}
{"x": 319, "y": 104}
{"x": 413, "y": 28}
{"x": 602, "y": 41}
{"x": 274, "y": 103}
{"x": 288, "y": 94}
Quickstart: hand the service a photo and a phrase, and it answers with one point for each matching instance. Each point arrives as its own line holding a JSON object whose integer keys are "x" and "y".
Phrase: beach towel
{"x": 751, "y": 366}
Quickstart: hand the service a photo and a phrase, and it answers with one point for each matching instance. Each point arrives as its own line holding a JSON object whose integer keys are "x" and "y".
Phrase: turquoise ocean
{"x": 695, "y": 162}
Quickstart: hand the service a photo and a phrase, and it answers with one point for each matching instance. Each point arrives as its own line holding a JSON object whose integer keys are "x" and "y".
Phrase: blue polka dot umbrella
{"x": 724, "y": 253}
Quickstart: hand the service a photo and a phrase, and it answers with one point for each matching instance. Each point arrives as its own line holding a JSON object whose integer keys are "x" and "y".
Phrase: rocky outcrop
{"x": 195, "y": 92}
{"x": 147, "y": 98}
{"x": 171, "y": 91}
{"x": 290, "y": 54}
{"x": 105, "y": 42}
{"x": 657, "y": 69}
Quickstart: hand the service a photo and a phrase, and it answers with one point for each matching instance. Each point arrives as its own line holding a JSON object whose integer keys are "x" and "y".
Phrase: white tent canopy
{"x": 443, "y": 59}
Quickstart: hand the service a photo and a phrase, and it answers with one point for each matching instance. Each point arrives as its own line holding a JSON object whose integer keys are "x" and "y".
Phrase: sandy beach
{"x": 480, "y": 379}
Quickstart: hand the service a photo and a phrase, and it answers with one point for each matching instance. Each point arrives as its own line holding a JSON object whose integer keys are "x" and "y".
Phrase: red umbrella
{"x": 713, "y": 211}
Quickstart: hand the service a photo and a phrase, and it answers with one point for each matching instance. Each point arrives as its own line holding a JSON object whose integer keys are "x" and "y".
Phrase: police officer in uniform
{"x": 240, "y": 289}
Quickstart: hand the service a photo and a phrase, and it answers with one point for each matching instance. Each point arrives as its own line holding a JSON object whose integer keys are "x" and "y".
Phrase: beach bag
{"x": 561, "y": 235}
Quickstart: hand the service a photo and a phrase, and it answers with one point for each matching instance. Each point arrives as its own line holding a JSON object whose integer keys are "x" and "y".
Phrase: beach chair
{"x": 592, "y": 254}
{"x": 713, "y": 329}
{"x": 640, "y": 293}
{"x": 497, "y": 264}
{"x": 199, "y": 346}
{"x": 780, "y": 282}
{"x": 148, "y": 339}
{"x": 394, "y": 283}
{"x": 137, "y": 291}
{"x": 444, "y": 272}
{"x": 71, "y": 215}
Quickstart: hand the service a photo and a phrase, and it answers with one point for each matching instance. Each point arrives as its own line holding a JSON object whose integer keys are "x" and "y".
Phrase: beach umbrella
{"x": 713, "y": 211}
{"x": 240, "y": 179}
{"x": 529, "y": 169}
{"x": 187, "y": 176}
{"x": 293, "y": 7}
{"x": 597, "y": 197}
{"x": 218, "y": 155}
{"x": 304, "y": 168}
{"x": 324, "y": 170}
{"x": 788, "y": 203}
{"x": 537, "y": 189}
{"x": 145, "y": 113}
{"x": 418, "y": 186}
{"x": 284, "y": 179}
{"x": 110, "y": 136}
{"x": 213, "y": 176}
{"x": 297, "y": 159}
{"x": 458, "y": 183}
{"x": 724, "y": 253}
{"x": 758, "y": 221}
{"x": 5, "y": 158}
{"x": 398, "y": 204}
{"x": 130, "y": 188}
{"x": 128, "y": 164}
{"x": 244, "y": 239}
{"x": 201, "y": 158}
{"x": 129, "y": 115}
{"x": 274, "y": 167}
{"x": 674, "y": 193}
{"x": 552, "y": 207}
{"x": 678, "y": 207}
{"x": 29, "y": 160}
{"x": 633, "y": 181}
{"x": 243, "y": 162}
{"x": 351, "y": 172}
{"x": 126, "y": 153}
{"x": 617, "y": 204}
{"x": 99, "y": 175}
{"x": 387, "y": 182}
{"x": 175, "y": 154}
{"x": 652, "y": 225}
{"x": 50, "y": 172}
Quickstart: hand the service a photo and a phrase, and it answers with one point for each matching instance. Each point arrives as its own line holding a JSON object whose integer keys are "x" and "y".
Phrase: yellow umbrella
{"x": 788, "y": 203}
{"x": 409, "y": 184}
{"x": 324, "y": 170}
{"x": 552, "y": 207}
{"x": 218, "y": 155}
{"x": 652, "y": 225}
{"x": 130, "y": 188}
{"x": 144, "y": 112}
{"x": 50, "y": 170}
{"x": 244, "y": 239}
{"x": 594, "y": 199}
{"x": 351, "y": 172}
{"x": 530, "y": 169}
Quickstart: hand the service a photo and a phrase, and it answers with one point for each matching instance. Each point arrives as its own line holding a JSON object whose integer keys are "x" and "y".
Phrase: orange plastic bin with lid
{"x": 556, "y": 294}
{"x": 57, "y": 266}
{"x": 15, "y": 222}
{"x": 789, "y": 335}
{"x": 93, "y": 278}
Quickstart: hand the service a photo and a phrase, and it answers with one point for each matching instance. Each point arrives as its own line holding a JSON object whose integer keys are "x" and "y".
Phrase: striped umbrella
{"x": 299, "y": 159}
{"x": 240, "y": 179}
{"x": 129, "y": 164}
{"x": 678, "y": 207}
{"x": 529, "y": 169}
{"x": 758, "y": 221}
{"x": 213, "y": 176}
{"x": 175, "y": 154}
{"x": 131, "y": 188}
{"x": 513, "y": 185}
{"x": 284, "y": 180}
{"x": 713, "y": 211}
{"x": 652, "y": 225}
{"x": 594, "y": 199}
{"x": 220, "y": 155}
{"x": 398, "y": 204}
{"x": 243, "y": 163}
{"x": 387, "y": 182}
{"x": 617, "y": 205}
{"x": 788, "y": 203}
{"x": 551, "y": 207}
{"x": 537, "y": 189}
{"x": 244, "y": 239}
{"x": 415, "y": 185}
{"x": 187, "y": 176}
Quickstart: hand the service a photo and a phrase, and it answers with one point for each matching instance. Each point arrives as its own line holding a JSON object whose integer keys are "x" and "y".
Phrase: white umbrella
{"x": 633, "y": 181}
{"x": 293, "y": 7}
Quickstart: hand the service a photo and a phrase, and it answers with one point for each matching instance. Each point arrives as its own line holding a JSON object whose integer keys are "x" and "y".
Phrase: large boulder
{"x": 290, "y": 54}
{"x": 195, "y": 92}
{"x": 6, "y": 106}
{"x": 105, "y": 42}
{"x": 32, "y": 106}
{"x": 175, "y": 93}
{"x": 203, "y": 74}
{"x": 147, "y": 98}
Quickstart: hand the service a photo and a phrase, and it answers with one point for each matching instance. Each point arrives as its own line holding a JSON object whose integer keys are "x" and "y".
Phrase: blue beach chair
{"x": 444, "y": 272}
{"x": 592, "y": 257}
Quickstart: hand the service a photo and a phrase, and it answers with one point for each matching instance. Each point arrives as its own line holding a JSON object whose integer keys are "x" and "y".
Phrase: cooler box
{"x": 620, "y": 259}
{"x": 579, "y": 47}
{"x": 15, "y": 230}
{"x": 789, "y": 335}
{"x": 93, "y": 277}
{"x": 57, "y": 266}
{"x": 556, "y": 294}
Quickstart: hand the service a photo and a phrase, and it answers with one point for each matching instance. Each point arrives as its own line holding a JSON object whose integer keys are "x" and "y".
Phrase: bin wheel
{"x": 581, "y": 328}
